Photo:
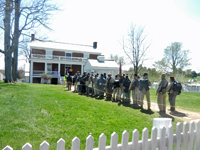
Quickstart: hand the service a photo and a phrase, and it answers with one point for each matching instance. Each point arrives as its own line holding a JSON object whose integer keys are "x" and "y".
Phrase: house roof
{"x": 106, "y": 64}
{"x": 63, "y": 46}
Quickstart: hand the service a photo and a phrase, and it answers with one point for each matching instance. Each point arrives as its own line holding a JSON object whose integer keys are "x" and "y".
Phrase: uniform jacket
{"x": 133, "y": 84}
{"x": 149, "y": 83}
{"x": 109, "y": 82}
{"x": 101, "y": 82}
{"x": 170, "y": 87}
{"x": 163, "y": 83}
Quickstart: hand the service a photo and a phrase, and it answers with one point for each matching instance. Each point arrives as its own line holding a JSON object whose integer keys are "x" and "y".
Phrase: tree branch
{"x": 1, "y": 51}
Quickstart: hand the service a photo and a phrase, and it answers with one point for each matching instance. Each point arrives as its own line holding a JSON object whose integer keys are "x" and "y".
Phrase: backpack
{"x": 69, "y": 78}
{"x": 177, "y": 87}
{"x": 127, "y": 83}
{"x": 143, "y": 84}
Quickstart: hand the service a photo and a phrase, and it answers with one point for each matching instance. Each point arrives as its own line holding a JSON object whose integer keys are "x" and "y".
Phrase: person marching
{"x": 134, "y": 86}
{"x": 109, "y": 86}
{"x": 116, "y": 88}
{"x": 82, "y": 82}
{"x": 172, "y": 92}
{"x": 87, "y": 82}
{"x": 126, "y": 85}
{"x": 161, "y": 93}
{"x": 144, "y": 90}
{"x": 101, "y": 84}
{"x": 78, "y": 82}
{"x": 95, "y": 86}
{"x": 69, "y": 82}
{"x": 75, "y": 82}
{"x": 91, "y": 85}
{"x": 121, "y": 91}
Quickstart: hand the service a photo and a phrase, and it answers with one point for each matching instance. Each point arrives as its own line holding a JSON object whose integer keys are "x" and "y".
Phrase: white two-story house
{"x": 56, "y": 59}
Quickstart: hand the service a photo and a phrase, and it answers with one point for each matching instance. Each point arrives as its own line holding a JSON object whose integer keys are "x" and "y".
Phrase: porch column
{"x": 59, "y": 73}
{"x": 81, "y": 69}
{"x": 45, "y": 68}
{"x": 31, "y": 72}
{"x": 58, "y": 69}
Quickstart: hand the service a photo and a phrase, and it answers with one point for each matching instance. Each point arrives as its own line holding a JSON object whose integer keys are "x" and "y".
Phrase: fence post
{"x": 162, "y": 122}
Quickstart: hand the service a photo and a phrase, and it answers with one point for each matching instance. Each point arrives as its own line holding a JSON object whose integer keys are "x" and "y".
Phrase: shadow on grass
{"x": 99, "y": 98}
{"x": 150, "y": 112}
{"x": 178, "y": 114}
{"x": 163, "y": 115}
{"x": 14, "y": 84}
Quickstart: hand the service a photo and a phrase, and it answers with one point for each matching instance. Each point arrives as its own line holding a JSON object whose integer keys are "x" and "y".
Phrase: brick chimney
{"x": 32, "y": 37}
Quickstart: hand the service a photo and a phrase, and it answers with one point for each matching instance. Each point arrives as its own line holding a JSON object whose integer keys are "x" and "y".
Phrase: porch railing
{"x": 39, "y": 72}
{"x": 64, "y": 58}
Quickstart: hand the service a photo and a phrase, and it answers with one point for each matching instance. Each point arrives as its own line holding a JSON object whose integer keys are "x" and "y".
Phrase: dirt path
{"x": 179, "y": 113}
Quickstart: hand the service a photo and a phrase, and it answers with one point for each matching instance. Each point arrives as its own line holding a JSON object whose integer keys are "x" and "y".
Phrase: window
{"x": 68, "y": 56}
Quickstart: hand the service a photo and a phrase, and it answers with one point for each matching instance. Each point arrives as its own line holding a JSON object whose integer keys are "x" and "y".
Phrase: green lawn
{"x": 186, "y": 100}
{"x": 37, "y": 112}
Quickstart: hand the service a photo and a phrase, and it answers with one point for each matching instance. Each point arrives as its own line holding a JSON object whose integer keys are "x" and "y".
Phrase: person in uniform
{"x": 75, "y": 82}
{"x": 116, "y": 88}
{"x": 95, "y": 86}
{"x": 144, "y": 90}
{"x": 134, "y": 86}
{"x": 172, "y": 94}
{"x": 126, "y": 85}
{"x": 82, "y": 82}
{"x": 69, "y": 82}
{"x": 78, "y": 82}
{"x": 101, "y": 84}
{"x": 161, "y": 93}
{"x": 87, "y": 82}
{"x": 109, "y": 86}
{"x": 121, "y": 91}
{"x": 91, "y": 85}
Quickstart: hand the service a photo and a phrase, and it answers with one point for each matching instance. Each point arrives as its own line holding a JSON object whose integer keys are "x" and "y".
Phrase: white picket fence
{"x": 187, "y": 138}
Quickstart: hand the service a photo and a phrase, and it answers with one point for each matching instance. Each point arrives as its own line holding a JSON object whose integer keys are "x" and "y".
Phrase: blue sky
{"x": 107, "y": 21}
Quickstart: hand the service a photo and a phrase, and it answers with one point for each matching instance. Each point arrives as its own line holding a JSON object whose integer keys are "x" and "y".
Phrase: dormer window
{"x": 68, "y": 54}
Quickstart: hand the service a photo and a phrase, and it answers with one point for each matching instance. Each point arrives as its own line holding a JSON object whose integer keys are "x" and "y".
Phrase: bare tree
{"x": 136, "y": 47}
{"x": 21, "y": 16}
{"x": 174, "y": 58}
{"x": 118, "y": 59}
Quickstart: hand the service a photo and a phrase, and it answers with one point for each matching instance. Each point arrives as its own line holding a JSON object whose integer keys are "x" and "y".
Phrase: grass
{"x": 185, "y": 101}
{"x": 37, "y": 112}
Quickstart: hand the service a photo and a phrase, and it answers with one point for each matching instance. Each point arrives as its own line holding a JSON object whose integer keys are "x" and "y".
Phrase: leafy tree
{"x": 136, "y": 47}
{"x": 194, "y": 74}
{"x": 188, "y": 73}
{"x": 174, "y": 58}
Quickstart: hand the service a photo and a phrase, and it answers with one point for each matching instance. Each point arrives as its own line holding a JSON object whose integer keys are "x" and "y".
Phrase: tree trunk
{"x": 7, "y": 48}
{"x": 15, "y": 41}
